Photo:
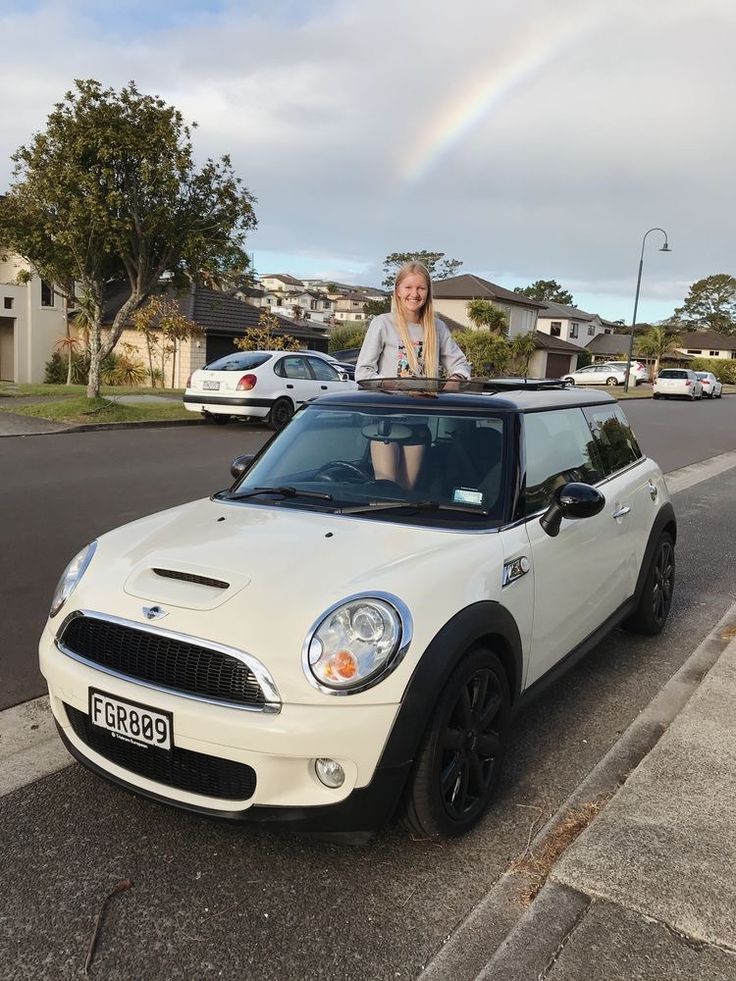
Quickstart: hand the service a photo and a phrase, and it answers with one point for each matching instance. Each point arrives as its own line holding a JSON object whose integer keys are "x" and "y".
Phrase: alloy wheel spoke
{"x": 490, "y": 711}
{"x": 450, "y": 773}
{"x": 480, "y": 689}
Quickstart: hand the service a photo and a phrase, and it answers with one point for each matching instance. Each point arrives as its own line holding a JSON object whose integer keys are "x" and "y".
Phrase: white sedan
{"x": 267, "y": 385}
{"x": 712, "y": 388}
{"x": 596, "y": 374}
{"x": 677, "y": 383}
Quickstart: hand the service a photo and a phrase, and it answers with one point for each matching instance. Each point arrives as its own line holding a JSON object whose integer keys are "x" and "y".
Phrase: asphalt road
{"x": 61, "y": 491}
{"x": 237, "y": 902}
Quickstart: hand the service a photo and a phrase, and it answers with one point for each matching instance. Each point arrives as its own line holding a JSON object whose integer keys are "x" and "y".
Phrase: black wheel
{"x": 611, "y": 381}
{"x": 281, "y": 411}
{"x": 217, "y": 418}
{"x": 569, "y": 381}
{"x": 460, "y": 759}
{"x": 336, "y": 469}
{"x": 656, "y": 598}
{"x": 655, "y": 395}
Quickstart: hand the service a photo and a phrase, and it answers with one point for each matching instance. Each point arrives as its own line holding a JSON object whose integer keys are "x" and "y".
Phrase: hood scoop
{"x": 192, "y": 577}
{"x": 188, "y": 585}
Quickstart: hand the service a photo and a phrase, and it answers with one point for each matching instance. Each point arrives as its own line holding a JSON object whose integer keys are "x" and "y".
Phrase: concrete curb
{"x": 501, "y": 909}
{"x": 95, "y": 427}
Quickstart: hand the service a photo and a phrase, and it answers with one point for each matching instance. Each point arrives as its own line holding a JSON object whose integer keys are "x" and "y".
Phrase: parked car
{"x": 712, "y": 388}
{"x": 677, "y": 383}
{"x": 321, "y": 645}
{"x": 639, "y": 372}
{"x": 596, "y": 374}
{"x": 267, "y": 385}
{"x": 345, "y": 366}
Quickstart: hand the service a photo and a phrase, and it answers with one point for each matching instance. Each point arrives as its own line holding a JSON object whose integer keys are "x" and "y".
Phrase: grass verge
{"x": 84, "y": 411}
{"x": 11, "y": 390}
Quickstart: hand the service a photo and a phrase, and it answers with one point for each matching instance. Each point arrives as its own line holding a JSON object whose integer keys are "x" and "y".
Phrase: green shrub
{"x": 489, "y": 354}
{"x": 345, "y": 336}
{"x": 723, "y": 368}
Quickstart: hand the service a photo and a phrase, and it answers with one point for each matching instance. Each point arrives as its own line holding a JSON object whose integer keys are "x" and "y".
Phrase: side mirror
{"x": 344, "y": 376}
{"x": 574, "y": 500}
{"x": 240, "y": 464}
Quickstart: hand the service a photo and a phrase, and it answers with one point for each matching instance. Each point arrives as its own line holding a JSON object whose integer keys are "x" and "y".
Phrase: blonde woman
{"x": 409, "y": 342}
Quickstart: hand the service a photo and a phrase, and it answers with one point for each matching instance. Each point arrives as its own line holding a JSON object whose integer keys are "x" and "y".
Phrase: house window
{"x": 555, "y": 328}
{"x": 47, "y": 294}
{"x": 591, "y": 331}
{"x": 8, "y": 302}
{"x": 712, "y": 354}
{"x": 693, "y": 351}
{"x": 279, "y": 303}
{"x": 574, "y": 330}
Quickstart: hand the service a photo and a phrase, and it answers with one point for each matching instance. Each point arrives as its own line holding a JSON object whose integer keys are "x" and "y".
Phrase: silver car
{"x": 596, "y": 374}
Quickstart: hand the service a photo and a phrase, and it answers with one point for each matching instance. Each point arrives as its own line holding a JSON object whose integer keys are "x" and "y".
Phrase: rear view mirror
{"x": 574, "y": 500}
{"x": 240, "y": 464}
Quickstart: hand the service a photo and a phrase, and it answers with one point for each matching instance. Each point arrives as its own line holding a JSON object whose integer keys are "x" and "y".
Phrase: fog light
{"x": 330, "y": 773}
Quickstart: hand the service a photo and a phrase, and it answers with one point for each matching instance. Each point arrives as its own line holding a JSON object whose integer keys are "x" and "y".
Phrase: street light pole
{"x": 665, "y": 248}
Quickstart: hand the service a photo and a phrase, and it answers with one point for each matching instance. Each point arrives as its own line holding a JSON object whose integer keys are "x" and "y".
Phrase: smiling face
{"x": 411, "y": 292}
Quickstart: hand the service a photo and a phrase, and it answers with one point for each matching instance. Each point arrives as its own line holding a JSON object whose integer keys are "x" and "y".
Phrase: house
{"x": 311, "y": 304}
{"x": 615, "y": 347}
{"x": 450, "y": 296}
{"x": 221, "y": 317}
{"x": 571, "y": 324}
{"x": 707, "y": 344}
{"x": 350, "y": 306}
{"x": 32, "y": 321}
{"x": 281, "y": 283}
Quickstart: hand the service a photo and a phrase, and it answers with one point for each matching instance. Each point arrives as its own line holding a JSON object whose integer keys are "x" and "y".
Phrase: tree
{"x": 546, "y": 289}
{"x": 486, "y": 316}
{"x": 522, "y": 347}
{"x": 655, "y": 343}
{"x": 488, "y": 353}
{"x": 710, "y": 305}
{"x": 263, "y": 336}
{"x": 437, "y": 265}
{"x": 372, "y": 308}
{"x": 110, "y": 189}
{"x": 163, "y": 324}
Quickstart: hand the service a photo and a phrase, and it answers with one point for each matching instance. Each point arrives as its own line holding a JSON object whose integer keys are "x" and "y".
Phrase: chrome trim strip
{"x": 407, "y": 632}
{"x": 272, "y": 705}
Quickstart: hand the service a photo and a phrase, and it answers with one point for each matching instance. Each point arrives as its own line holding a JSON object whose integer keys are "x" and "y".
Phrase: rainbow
{"x": 522, "y": 59}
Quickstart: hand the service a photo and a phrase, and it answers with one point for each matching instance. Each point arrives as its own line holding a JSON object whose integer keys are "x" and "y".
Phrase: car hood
{"x": 259, "y": 577}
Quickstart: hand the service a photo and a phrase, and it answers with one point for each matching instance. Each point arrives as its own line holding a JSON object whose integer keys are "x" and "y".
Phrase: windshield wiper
{"x": 284, "y": 491}
{"x": 411, "y": 505}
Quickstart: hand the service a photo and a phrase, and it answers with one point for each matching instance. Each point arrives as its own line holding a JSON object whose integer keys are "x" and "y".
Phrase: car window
{"x": 616, "y": 443}
{"x": 239, "y": 361}
{"x": 672, "y": 373}
{"x": 559, "y": 448}
{"x": 322, "y": 370}
{"x": 293, "y": 367}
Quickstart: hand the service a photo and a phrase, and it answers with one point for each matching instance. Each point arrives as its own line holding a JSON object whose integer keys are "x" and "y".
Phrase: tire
{"x": 611, "y": 381}
{"x": 216, "y": 418}
{"x": 656, "y": 395}
{"x": 651, "y": 614}
{"x": 281, "y": 411}
{"x": 461, "y": 755}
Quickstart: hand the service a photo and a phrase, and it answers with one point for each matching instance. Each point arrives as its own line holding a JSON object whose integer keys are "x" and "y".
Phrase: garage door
{"x": 557, "y": 365}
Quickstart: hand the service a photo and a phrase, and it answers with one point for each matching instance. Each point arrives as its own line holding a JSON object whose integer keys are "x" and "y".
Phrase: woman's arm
{"x": 370, "y": 352}
{"x": 452, "y": 358}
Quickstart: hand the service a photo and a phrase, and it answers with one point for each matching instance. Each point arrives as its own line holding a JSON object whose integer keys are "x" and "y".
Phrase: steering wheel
{"x": 335, "y": 468}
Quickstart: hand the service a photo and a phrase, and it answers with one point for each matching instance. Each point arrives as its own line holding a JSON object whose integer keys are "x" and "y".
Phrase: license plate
{"x": 211, "y": 386}
{"x": 131, "y": 721}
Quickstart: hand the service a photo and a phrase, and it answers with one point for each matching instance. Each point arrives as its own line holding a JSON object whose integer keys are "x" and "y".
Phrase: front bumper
{"x": 280, "y": 748}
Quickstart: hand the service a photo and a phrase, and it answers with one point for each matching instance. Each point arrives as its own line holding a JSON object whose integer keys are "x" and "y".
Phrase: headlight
{"x": 356, "y": 643}
{"x": 70, "y": 577}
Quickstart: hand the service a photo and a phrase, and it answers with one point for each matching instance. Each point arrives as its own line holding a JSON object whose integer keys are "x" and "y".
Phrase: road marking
{"x": 30, "y": 747}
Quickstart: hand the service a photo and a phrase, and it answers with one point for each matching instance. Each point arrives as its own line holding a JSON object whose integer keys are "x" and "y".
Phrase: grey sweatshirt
{"x": 383, "y": 356}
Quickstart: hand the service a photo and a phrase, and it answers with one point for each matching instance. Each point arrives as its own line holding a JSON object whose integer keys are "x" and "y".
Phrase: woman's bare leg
{"x": 385, "y": 459}
{"x": 412, "y": 457}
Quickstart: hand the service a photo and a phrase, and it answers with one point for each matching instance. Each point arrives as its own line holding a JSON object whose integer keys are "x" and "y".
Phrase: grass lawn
{"x": 9, "y": 390}
{"x": 80, "y": 410}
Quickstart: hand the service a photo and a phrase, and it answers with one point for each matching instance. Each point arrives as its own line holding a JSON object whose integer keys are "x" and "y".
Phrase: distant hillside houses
{"x": 321, "y": 301}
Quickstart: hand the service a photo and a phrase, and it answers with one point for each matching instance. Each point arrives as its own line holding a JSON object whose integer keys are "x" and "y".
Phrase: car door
{"x": 326, "y": 376}
{"x": 586, "y": 376}
{"x": 297, "y": 379}
{"x": 583, "y": 574}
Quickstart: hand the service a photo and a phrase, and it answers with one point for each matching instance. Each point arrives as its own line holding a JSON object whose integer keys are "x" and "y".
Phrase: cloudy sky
{"x": 530, "y": 139}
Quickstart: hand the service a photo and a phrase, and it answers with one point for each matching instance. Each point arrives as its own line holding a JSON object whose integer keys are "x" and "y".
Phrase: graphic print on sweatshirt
{"x": 403, "y": 368}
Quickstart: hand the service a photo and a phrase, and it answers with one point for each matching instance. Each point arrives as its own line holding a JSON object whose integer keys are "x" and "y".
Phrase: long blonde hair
{"x": 430, "y": 345}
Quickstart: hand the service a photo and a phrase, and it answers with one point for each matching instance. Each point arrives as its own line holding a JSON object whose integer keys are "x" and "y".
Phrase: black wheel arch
{"x": 665, "y": 521}
{"x": 483, "y": 624}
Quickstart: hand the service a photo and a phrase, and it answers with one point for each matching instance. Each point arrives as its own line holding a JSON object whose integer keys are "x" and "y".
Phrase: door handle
{"x": 621, "y": 512}
{"x": 323, "y": 387}
{"x": 289, "y": 386}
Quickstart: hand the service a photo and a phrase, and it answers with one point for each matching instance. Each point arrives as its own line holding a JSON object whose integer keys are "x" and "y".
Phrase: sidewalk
{"x": 648, "y": 891}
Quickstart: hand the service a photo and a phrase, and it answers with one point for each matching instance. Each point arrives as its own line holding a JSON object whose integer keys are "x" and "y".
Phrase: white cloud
{"x": 530, "y": 141}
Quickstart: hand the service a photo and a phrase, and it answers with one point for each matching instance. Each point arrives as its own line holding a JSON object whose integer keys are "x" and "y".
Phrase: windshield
{"x": 450, "y": 466}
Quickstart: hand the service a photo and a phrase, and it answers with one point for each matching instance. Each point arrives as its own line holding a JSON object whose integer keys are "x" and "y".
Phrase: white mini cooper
{"x": 320, "y": 646}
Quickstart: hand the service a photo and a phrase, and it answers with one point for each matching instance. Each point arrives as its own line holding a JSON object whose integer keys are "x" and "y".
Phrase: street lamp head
{"x": 665, "y": 248}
